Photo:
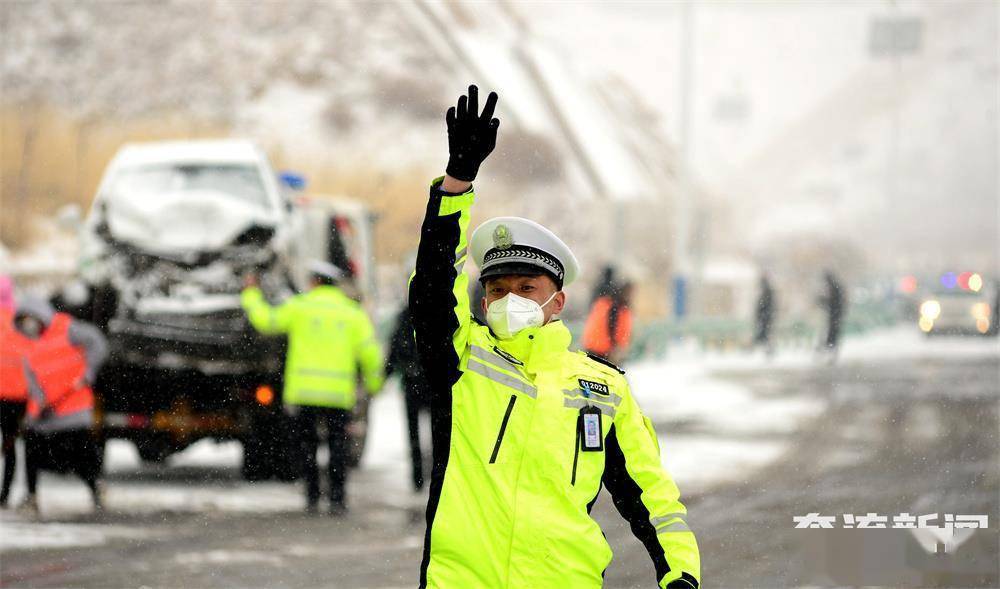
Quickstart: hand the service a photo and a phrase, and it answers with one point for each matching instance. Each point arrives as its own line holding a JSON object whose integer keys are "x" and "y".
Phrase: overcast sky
{"x": 779, "y": 58}
{"x": 818, "y": 108}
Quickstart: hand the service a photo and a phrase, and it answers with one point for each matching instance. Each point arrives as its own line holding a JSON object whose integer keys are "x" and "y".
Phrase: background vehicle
{"x": 172, "y": 231}
{"x": 960, "y": 309}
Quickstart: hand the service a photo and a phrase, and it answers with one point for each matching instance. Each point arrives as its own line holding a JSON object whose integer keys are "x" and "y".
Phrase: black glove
{"x": 471, "y": 136}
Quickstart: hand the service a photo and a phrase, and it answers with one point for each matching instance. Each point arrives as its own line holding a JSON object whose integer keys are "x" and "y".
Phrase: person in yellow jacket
{"x": 329, "y": 337}
{"x": 527, "y": 431}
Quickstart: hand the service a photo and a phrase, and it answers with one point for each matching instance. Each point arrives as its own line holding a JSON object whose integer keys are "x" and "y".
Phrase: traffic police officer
{"x": 526, "y": 431}
{"x": 329, "y": 337}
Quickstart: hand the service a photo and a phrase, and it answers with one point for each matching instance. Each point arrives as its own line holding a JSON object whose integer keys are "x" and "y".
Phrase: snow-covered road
{"x": 721, "y": 419}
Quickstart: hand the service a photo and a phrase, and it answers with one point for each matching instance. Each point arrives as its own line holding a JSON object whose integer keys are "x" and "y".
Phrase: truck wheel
{"x": 257, "y": 463}
{"x": 154, "y": 451}
{"x": 263, "y": 446}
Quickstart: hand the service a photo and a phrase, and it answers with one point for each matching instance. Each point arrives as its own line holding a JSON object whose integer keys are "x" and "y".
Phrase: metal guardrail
{"x": 653, "y": 340}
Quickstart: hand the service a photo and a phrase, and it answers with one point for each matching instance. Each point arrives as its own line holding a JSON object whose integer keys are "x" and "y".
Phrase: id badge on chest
{"x": 592, "y": 438}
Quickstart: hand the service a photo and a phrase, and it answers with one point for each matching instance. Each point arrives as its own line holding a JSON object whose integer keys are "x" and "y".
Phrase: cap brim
{"x": 515, "y": 269}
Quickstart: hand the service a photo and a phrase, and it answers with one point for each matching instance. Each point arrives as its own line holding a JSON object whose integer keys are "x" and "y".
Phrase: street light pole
{"x": 894, "y": 37}
{"x": 683, "y": 209}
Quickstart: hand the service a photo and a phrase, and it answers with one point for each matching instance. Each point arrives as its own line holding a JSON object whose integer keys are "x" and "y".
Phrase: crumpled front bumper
{"x": 223, "y": 340}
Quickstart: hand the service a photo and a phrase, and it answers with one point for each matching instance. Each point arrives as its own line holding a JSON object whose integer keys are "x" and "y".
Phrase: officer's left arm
{"x": 95, "y": 347}
{"x": 647, "y": 497}
{"x": 265, "y": 318}
{"x": 369, "y": 354}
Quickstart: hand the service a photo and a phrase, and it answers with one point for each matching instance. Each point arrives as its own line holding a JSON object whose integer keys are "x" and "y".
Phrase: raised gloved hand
{"x": 471, "y": 136}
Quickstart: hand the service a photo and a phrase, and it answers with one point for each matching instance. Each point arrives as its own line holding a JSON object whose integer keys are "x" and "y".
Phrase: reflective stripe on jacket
{"x": 511, "y": 488}
{"x": 329, "y": 336}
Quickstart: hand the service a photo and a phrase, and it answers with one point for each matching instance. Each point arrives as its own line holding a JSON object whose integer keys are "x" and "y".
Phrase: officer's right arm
{"x": 265, "y": 318}
{"x": 439, "y": 298}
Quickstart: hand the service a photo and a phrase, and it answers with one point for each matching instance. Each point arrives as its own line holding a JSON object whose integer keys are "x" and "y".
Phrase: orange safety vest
{"x": 59, "y": 366}
{"x": 13, "y": 346}
{"x": 597, "y": 333}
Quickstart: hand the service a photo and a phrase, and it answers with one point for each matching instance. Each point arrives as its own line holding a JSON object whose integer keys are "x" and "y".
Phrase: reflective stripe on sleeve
{"x": 678, "y": 526}
{"x": 663, "y": 519}
{"x": 580, "y": 403}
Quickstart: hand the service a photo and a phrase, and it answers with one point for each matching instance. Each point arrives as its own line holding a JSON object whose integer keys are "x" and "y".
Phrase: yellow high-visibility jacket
{"x": 329, "y": 336}
{"x": 511, "y": 489}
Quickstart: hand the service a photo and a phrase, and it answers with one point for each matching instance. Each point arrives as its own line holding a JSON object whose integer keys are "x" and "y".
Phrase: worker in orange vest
{"x": 608, "y": 330}
{"x": 60, "y": 366}
{"x": 13, "y": 387}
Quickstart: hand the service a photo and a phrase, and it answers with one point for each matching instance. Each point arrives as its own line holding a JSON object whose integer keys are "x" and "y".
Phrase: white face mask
{"x": 508, "y": 315}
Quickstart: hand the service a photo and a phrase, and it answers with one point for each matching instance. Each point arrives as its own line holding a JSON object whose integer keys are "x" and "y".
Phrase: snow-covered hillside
{"x": 364, "y": 86}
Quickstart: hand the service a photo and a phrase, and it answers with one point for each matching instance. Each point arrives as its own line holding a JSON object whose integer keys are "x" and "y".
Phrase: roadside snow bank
{"x": 721, "y": 430}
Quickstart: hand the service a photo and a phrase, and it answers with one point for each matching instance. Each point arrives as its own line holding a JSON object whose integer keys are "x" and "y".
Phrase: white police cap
{"x": 512, "y": 245}
{"x": 326, "y": 269}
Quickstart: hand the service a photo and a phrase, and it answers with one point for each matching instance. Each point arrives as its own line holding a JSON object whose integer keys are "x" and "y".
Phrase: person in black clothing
{"x": 833, "y": 302}
{"x": 605, "y": 285}
{"x": 404, "y": 361}
{"x": 765, "y": 315}
{"x": 11, "y": 415}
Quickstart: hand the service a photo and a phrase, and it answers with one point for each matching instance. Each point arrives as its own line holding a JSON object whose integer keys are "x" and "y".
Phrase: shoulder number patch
{"x": 597, "y": 388}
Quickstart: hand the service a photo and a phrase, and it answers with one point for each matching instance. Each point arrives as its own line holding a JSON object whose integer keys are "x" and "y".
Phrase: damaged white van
{"x": 173, "y": 229}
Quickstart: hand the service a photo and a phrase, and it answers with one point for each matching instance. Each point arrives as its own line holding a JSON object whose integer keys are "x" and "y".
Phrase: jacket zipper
{"x": 503, "y": 428}
{"x": 576, "y": 451}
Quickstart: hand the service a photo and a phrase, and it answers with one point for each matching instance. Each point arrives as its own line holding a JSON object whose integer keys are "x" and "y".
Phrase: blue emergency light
{"x": 293, "y": 180}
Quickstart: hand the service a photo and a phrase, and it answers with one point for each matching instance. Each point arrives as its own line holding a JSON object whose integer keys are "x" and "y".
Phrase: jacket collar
{"x": 537, "y": 346}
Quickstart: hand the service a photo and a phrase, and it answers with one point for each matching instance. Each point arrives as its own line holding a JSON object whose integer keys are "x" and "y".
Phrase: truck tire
{"x": 153, "y": 450}
{"x": 257, "y": 462}
{"x": 270, "y": 449}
